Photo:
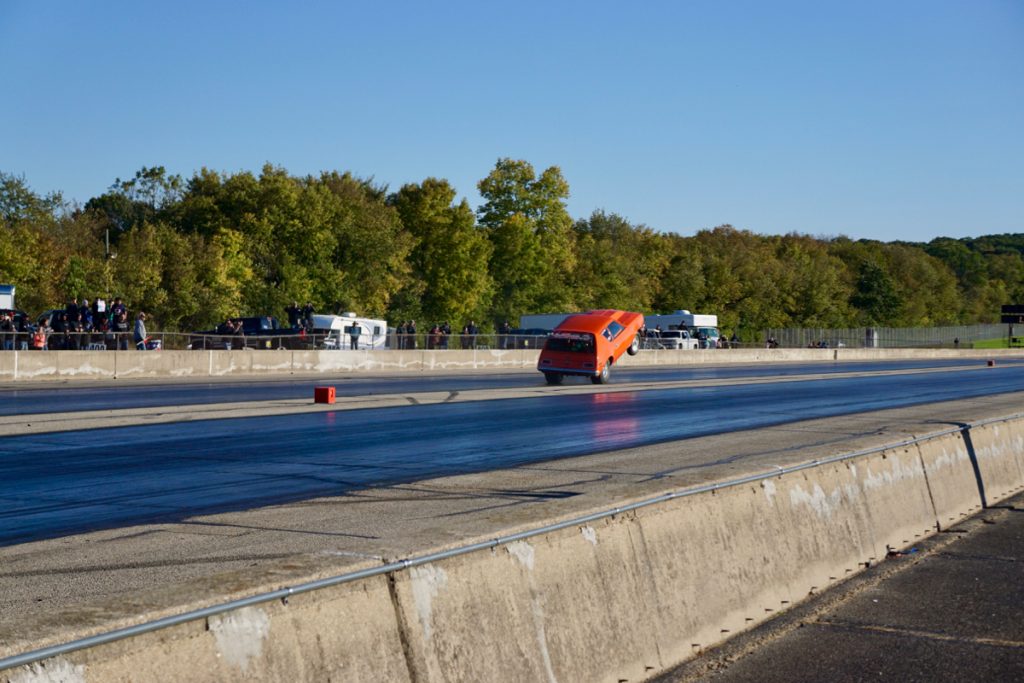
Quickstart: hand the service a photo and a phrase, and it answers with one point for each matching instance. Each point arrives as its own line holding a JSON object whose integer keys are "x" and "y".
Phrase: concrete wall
{"x": 72, "y": 365}
{"x": 616, "y": 599}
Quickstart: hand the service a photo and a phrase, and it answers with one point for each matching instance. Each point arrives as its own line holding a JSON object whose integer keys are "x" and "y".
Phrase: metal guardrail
{"x": 404, "y": 564}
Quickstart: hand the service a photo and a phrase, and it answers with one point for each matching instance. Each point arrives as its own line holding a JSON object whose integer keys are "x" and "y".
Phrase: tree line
{"x": 194, "y": 251}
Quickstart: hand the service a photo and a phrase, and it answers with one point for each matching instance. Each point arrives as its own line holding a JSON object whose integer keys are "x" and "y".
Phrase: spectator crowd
{"x": 79, "y": 325}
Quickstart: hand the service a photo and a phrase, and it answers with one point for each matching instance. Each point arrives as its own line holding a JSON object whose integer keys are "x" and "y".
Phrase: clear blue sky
{"x": 885, "y": 120}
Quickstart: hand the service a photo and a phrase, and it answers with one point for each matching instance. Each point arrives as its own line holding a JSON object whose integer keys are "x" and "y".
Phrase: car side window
{"x": 612, "y": 331}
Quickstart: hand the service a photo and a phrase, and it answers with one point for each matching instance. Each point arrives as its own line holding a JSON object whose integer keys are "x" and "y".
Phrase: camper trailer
{"x": 337, "y": 331}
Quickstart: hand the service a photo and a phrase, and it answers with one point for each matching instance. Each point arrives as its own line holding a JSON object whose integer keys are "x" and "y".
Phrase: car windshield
{"x": 570, "y": 342}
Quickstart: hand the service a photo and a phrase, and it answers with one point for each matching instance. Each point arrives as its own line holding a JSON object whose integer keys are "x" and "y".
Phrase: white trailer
{"x": 7, "y": 297}
{"x": 701, "y": 325}
{"x": 542, "y": 321}
{"x": 338, "y": 329}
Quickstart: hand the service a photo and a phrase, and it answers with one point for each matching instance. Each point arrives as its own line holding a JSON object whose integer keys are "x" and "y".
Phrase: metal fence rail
{"x": 962, "y": 336}
{"x": 124, "y": 341}
{"x": 885, "y": 337}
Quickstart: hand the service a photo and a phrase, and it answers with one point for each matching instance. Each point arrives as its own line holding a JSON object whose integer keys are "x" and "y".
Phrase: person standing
{"x": 119, "y": 326}
{"x": 400, "y": 335}
{"x": 293, "y": 312}
{"x": 39, "y": 337}
{"x": 139, "y": 335}
{"x": 118, "y": 307}
{"x": 505, "y": 330}
{"x": 307, "y": 315}
{"x": 353, "y": 334}
{"x": 85, "y": 315}
{"x": 7, "y": 330}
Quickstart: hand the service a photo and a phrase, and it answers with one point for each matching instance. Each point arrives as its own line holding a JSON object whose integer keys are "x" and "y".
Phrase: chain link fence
{"x": 957, "y": 336}
{"x": 951, "y": 336}
{"x": 110, "y": 341}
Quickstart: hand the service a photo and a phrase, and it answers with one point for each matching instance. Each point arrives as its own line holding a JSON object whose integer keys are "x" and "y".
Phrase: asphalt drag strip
{"x": 42, "y": 423}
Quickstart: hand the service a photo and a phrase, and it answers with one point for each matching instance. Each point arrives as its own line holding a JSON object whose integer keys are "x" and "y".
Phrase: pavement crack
{"x": 922, "y": 635}
{"x": 983, "y": 558}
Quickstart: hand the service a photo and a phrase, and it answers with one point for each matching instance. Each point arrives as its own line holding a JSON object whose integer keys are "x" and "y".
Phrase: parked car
{"x": 518, "y": 338}
{"x": 256, "y": 332}
{"x": 588, "y": 344}
{"x": 49, "y": 316}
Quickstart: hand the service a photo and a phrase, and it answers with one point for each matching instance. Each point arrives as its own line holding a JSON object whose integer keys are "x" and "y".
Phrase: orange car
{"x": 589, "y": 344}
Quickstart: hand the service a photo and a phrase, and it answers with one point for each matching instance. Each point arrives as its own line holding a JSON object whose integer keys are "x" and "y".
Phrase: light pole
{"x": 108, "y": 256}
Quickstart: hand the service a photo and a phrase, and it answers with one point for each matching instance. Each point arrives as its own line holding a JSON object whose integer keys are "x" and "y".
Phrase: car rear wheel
{"x": 553, "y": 378}
{"x": 606, "y": 373}
{"x": 634, "y": 348}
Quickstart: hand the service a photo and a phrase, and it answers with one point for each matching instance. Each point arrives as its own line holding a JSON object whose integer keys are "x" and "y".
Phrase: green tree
{"x": 618, "y": 265}
{"x": 372, "y": 249}
{"x": 139, "y": 270}
{"x": 743, "y": 279}
{"x": 876, "y": 295}
{"x": 31, "y": 258}
{"x": 681, "y": 282}
{"x": 144, "y": 198}
{"x": 531, "y": 231}
{"x": 449, "y": 258}
{"x": 813, "y": 288}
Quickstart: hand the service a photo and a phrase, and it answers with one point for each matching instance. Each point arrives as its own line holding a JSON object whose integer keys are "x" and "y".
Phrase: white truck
{"x": 672, "y": 339}
{"x": 701, "y": 327}
{"x": 7, "y": 297}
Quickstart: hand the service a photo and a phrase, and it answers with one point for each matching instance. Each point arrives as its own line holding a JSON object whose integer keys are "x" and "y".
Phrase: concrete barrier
{"x": 609, "y": 596}
{"x": 951, "y": 478}
{"x": 76, "y": 365}
{"x": 344, "y": 633}
{"x": 626, "y": 597}
{"x": 998, "y": 448}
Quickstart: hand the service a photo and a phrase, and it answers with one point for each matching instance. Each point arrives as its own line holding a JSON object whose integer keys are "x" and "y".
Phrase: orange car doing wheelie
{"x": 589, "y": 344}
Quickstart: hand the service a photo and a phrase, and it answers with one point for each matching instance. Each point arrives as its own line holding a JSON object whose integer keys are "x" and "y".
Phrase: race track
{"x": 59, "y": 484}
